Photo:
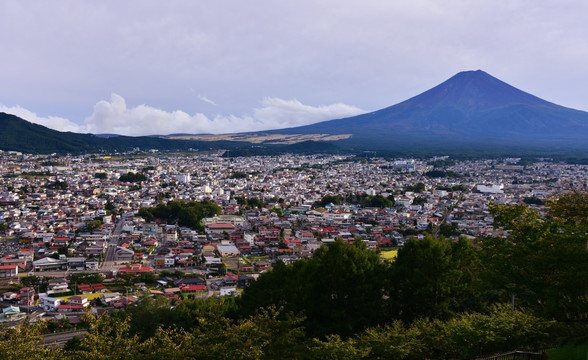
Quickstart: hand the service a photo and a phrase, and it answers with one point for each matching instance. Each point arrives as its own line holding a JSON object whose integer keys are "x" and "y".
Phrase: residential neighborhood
{"x": 73, "y": 237}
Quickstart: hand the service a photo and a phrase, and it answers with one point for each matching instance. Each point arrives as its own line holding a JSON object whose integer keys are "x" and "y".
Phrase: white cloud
{"x": 206, "y": 100}
{"x": 278, "y": 113}
{"x": 116, "y": 117}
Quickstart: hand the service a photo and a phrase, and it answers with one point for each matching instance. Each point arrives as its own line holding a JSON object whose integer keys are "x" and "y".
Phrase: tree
{"x": 187, "y": 214}
{"x": 543, "y": 262}
{"x": 339, "y": 289}
{"x": 86, "y": 278}
{"x": 32, "y": 280}
{"x": 430, "y": 276}
{"x": 132, "y": 177}
{"x": 23, "y": 342}
{"x": 417, "y": 188}
{"x": 255, "y": 203}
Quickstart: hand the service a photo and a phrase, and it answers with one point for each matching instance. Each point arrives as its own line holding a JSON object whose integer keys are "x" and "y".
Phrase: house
{"x": 78, "y": 301}
{"x": 228, "y": 250}
{"x": 244, "y": 280}
{"x": 92, "y": 264}
{"x": 109, "y": 298}
{"x": 58, "y": 285}
{"x": 7, "y": 271}
{"x": 124, "y": 255}
{"x": 27, "y": 295}
{"x": 11, "y": 313}
{"x": 47, "y": 264}
{"x": 76, "y": 263}
{"x": 159, "y": 262}
{"x": 70, "y": 308}
{"x": 227, "y": 290}
{"x": 219, "y": 228}
{"x": 135, "y": 268}
{"x": 193, "y": 288}
{"x": 10, "y": 296}
{"x": 50, "y": 304}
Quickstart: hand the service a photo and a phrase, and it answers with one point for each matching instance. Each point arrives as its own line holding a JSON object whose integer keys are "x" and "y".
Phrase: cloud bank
{"x": 115, "y": 117}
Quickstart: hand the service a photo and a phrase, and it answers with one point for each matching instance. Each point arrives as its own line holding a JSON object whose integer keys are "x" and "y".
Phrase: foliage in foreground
{"x": 270, "y": 335}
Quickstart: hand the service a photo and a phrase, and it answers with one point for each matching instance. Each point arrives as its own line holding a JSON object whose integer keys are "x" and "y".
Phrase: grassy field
{"x": 389, "y": 255}
{"x": 89, "y": 296}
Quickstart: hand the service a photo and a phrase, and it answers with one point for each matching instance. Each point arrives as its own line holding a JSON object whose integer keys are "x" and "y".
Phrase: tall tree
{"x": 432, "y": 276}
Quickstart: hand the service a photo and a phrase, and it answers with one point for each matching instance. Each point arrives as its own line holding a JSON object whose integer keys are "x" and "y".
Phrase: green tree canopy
{"x": 187, "y": 214}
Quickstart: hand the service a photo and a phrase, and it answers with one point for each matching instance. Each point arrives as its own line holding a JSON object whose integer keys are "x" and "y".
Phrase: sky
{"x": 162, "y": 67}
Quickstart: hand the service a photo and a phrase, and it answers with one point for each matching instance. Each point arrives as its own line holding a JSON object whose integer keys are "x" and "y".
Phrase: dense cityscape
{"x": 65, "y": 215}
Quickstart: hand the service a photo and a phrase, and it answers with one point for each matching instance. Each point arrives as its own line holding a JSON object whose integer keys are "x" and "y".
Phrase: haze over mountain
{"x": 471, "y": 107}
{"x": 470, "y": 111}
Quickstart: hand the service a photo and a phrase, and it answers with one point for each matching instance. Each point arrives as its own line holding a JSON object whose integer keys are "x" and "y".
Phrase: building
{"x": 50, "y": 304}
{"x": 7, "y": 271}
{"x": 49, "y": 264}
{"x": 228, "y": 250}
{"x": 219, "y": 228}
{"x": 27, "y": 296}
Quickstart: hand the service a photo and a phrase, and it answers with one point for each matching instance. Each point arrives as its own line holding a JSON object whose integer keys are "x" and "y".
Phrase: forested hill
{"x": 20, "y": 135}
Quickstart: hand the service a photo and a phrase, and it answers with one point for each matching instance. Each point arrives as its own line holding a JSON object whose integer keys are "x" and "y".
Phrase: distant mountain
{"x": 470, "y": 112}
{"x": 471, "y": 108}
{"x": 20, "y": 135}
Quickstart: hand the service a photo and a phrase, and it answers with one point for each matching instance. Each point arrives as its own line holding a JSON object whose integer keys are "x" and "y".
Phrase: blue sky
{"x": 160, "y": 67}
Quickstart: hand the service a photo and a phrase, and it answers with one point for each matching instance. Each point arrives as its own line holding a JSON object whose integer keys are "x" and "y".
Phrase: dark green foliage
{"x": 255, "y": 203}
{"x": 328, "y": 199}
{"x": 100, "y": 175}
{"x": 543, "y": 261}
{"x": 238, "y": 175}
{"x": 92, "y": 225}
{"x": 417, "y": 188}
{"x": 441, "y": 163}
{"x": 187, "y": 214}
{"x": 339, "y": 289}
{"x": 419, "y": 200}
{"x": 57, "y": 185}
{"x": 533, "y": 200}
{"x": 132, "y": 177}
{"x": 431, "y": 275}
{"x": 442, "y": 174}
{"x": 448, "y": 230}
{"x": 86, "y": 278}
{"x": 32, "y": 280}
{"x": 365, "y": 200}
{"x": 378, "y": 201}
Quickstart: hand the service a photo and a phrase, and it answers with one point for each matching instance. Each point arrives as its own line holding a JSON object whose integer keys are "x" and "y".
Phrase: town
{"x": 77, "y": 233}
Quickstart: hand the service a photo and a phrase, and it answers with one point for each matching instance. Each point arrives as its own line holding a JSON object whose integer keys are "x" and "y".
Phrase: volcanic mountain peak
{"x": 472, "y": 107}
{"x": 473, "y": 89}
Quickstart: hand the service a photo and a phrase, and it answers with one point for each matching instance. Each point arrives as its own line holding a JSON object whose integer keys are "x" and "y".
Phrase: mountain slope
{"x": 470, "y": 107}
{"x": 20, "y": 135}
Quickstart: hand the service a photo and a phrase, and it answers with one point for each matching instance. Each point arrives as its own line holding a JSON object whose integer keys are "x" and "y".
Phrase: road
{"x": 446, "y": 215}
{"x": 59, "y": 339}
{"x": 109, "y": 257}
